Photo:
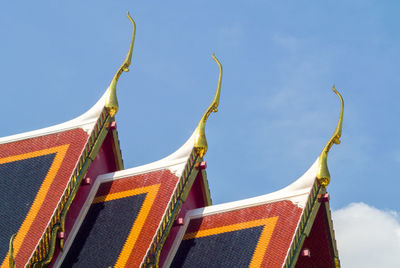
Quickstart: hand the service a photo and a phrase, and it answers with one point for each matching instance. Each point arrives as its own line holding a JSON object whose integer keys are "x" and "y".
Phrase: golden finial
{"x": 323, "y": 175}
{"x": 11, "y": 252}
{"x": 111, "y": 101}
{"x": 200, "y": 143}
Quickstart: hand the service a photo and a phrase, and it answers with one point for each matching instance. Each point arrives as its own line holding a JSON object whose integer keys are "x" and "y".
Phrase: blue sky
{"x": 277, "y": 109}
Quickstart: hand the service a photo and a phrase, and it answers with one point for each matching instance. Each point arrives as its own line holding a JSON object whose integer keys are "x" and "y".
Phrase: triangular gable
{"x": 266, "y": 231}
{"x": 117, "y": 216}
{"x": 155, "y": 194}
{"x": 39, "y": 224}
{"x": 245, "y": 236}
{"x": 27, "y": 179}
{"x": 319, "y": 247}
{"x": 41, "y": 172}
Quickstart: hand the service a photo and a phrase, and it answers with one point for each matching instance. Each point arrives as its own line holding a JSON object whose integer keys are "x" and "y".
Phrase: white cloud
{"x": 367, "y": 236}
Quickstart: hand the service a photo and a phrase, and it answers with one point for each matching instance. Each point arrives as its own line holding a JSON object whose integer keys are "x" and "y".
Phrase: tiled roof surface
{"x": 257, "y": 236}
{"x": 34, "y": 174}
{"x": 123, "y": 217}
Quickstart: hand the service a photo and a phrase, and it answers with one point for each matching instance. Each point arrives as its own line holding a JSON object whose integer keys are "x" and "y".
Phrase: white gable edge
{"x": 85, "y": 121}
{"x": 297, "y": 192}
{"x": 175, "y": 163}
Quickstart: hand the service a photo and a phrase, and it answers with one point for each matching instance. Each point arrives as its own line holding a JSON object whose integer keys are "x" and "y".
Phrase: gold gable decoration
{"x": 323, "y": 175}
{"x": 200, "y": 144}
{"x": 111, "y": 104}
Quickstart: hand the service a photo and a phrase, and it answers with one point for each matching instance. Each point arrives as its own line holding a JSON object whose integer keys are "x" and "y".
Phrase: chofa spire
{"x": 112, "y": 102}
{"x": 323, "y": 175}
{"x": 200, "y": 143}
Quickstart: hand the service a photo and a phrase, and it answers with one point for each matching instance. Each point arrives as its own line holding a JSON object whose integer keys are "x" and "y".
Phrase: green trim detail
{"x": 178, "y": 198}
{"x": 44, "y": 252}
{"x": 305, "y": 224}
{"x": 117, "y": 150}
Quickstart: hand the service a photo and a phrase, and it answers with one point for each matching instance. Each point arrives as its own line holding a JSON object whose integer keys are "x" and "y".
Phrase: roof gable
{"x": 320, "y": 244}
{"x": 260, "y": 229}
{"x": 55, "y": 188}
{"x": 46, "y": 163}
{"x": 155, "y": 192}
{"x": 122, "y": 212}
{"x": 64, "y": 154}
{"x": 273, "y": 226}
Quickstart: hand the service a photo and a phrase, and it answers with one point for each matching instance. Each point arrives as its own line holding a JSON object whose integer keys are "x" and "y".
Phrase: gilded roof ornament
{"x": 323, "y": 175}
{"x": 200, "y": 143}
{"x": 112, "y": 102}
{"x": 11, "y": 252}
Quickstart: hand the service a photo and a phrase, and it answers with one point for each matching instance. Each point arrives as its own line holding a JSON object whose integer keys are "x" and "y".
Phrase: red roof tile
{"x": 67, "y": 147}
{"x": 278, "y": 221}
{"x": 157, "y": 187}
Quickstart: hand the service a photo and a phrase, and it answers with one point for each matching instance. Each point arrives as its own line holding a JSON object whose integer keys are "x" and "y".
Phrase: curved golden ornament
{"x": 112, "y": 102}
{"x": 323, "y": 175}
{"x": 200, "y": 144}
{"x": 11, "y": 252}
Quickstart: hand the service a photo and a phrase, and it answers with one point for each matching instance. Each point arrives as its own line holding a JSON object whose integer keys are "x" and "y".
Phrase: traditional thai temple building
{"x": 68, "y": 201}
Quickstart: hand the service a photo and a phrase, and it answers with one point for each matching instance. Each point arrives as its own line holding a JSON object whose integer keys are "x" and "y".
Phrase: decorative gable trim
{"x": 304, "y": 226}
{"x": 46, "y": 247}
{"x": 178, "y": 198}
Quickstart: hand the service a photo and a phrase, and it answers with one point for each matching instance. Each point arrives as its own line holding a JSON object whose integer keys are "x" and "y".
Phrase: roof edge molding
{"x": 297, "y": 192}
{"x": 111, "y": 104}
{"x": 96, "y": 122}
{"x": 181, "y": 163}
{"x": 200, "y": 144}
{"x": 323, "y": 175}
{"x": 197, "y": 141}
{"x": 85, "y": 121}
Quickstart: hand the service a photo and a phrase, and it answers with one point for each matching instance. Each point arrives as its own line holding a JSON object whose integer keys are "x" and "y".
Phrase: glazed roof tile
{"x": 37, "y": 170}
{"x": 153, "y": 192}
{"x": 265, "y": 231}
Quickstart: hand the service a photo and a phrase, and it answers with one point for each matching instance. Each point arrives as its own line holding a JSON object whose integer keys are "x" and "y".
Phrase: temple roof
{"x": 271, "y": 230}
{"x": 52, "y": 158}
{"x": 264, "y": 231}
{"x": 134, "y": 210}
{"x": 42, "y": 171}
{"x": 131, "y": 210}
{"x": 64, "y": 196}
